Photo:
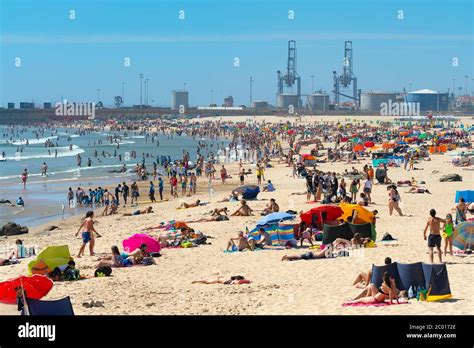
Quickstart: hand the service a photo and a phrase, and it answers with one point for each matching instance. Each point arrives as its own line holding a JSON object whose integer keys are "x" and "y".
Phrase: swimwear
{"x": 137, "y": 212}
{"x": 307, "y": 256}
{"x": 86, "y": 237}
{"x": 434, "y": 240}
{"x": 448, "y": 229}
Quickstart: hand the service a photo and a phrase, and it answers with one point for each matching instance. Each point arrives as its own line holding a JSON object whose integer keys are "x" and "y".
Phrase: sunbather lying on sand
{"x": 148, "y": 210}
{"x": 223, "y": 280}
{"x": 234, "y": 197}
{"x": 418, "y": 190}
{"x": 185, "y": 205}
{"x": 326, "y": 253}
{"x": 244, "y": 209}
{"x": 209, "y": 219}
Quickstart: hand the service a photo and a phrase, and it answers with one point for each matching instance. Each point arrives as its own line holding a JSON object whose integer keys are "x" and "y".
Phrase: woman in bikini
{"x": 222, "y": 280}
{"x": 115, "y": 260}
{"x": 387, "y": 290}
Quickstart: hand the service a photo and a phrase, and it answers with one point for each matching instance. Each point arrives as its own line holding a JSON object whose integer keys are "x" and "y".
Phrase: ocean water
{"x": 45, "y": 196}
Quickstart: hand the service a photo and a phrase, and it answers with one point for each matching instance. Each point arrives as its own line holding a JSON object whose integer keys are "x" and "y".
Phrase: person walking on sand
{"x": 223, "y": 174}
{"x": 434, "y": 239}
{"x": 44, "y": 169}
{"x": 24, "y": 178}
{"x": 393, "y": 200}
{"x": 88, "y": 230}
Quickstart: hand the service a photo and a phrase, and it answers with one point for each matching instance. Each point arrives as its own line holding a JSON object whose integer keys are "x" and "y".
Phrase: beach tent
{"x": 134, "y": 242}
{"x": 467, "y": 195}
{"x": 333, "y": 212}
{"x": 331, "y": 233}
{"x": 433, "y": 277}
{"x": 363, "y": 215}
{"x": 274, "y": 218}
{"x": 48, "y": 259}
{"x": 35, "y": 287}
{"x": 279, "y": 234}
{"x": 241, "y": 189}
{"x": 251, "y": 193}
{"x": 55, "y": 307}
{"x": 347, "y": 231}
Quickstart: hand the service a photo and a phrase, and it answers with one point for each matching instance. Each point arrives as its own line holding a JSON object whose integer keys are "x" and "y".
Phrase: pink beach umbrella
{"x": 134, "y": 242}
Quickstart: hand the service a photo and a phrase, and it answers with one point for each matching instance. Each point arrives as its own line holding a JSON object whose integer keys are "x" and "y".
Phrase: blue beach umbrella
{"x": 274, "y": 218}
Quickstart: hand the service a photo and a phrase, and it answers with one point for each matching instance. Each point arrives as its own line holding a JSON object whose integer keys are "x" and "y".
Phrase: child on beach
{"x": 448, "y": 234}
{"x": 88, "y": 230}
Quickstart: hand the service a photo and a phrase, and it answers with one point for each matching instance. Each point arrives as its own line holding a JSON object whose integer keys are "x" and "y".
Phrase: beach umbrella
{"x": 463, "y": 236}
{"x": 274, "y": 218}
{"x": 35, "y": 287}
{"x": 332, "y": 211}
{"x": 358, "y": 148}
{"x": 48, "y": 259}
{"x": 369, "y": 144}
{"x": 241, "y": 189}
{"x": 134, "y": 242}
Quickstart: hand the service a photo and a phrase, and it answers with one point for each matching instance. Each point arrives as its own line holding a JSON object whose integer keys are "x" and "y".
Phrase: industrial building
{"x": 318, "y": 101}
{"x": 371, "y": 101}
{"x": 11, "y": 105}
{"x": 229, "y": 101}
{"x": 179, "y": 98}
{"x": 429, "y": 100}
{"x": 27, "y": 105}
{"x": 259, "y": 104}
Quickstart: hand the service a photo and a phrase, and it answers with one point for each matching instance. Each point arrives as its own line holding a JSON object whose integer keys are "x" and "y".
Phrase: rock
{"x": 450, "y": 177}
{"x": 12, "y": 229}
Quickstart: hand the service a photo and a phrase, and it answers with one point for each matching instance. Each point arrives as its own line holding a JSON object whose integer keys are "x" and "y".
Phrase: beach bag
{"x": 103, "y": 272}
{"x": 186, "y": 245}
{"x": 422, "y": 295}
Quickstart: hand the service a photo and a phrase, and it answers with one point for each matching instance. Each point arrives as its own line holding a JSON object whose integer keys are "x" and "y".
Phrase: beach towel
{"x": 374, "y": 304}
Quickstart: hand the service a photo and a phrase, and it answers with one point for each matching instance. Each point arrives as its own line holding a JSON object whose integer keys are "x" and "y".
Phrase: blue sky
{"x": 68, "y": 58}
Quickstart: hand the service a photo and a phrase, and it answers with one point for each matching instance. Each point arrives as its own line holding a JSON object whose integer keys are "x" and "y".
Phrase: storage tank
{"x": 371, "y": 101}
{"x": 259, "y": 104}
{"x": 284, "y": 100}
{"x": 429, "y": 100}
{"x": 318, "y": 101}
{"x": 179, "y": 98}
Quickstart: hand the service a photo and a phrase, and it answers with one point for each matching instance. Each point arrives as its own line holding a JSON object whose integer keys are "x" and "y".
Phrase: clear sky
{"x": 72, "y": 58}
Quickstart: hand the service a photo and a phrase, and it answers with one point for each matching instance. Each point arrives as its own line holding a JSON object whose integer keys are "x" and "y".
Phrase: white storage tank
{"x": 318, "y": 101}
{"x": 371, "y": 101}
{"x": 284, "y": 100}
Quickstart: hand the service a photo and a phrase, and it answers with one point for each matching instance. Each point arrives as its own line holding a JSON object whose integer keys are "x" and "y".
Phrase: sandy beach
{"x": 301, "y": 287}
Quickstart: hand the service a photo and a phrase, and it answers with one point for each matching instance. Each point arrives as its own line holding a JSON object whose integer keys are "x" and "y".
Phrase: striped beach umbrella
{"x": 463, "y": 236}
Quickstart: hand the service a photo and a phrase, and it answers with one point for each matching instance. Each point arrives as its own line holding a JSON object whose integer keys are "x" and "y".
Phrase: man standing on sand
{"x": 125, "y": 193}
{"x": 160, "y": 187}
{"x": 88, "y": 230}
{"x": 434, "y": 239}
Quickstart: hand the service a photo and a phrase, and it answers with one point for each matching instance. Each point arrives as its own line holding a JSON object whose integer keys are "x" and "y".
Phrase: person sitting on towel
{"x": 265, "y": 240}
{"x": 363, "y": 278}
{"x": 244, "y": 209}
{"x": 242, "y": 243}
{"x": 387, "y": 290}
